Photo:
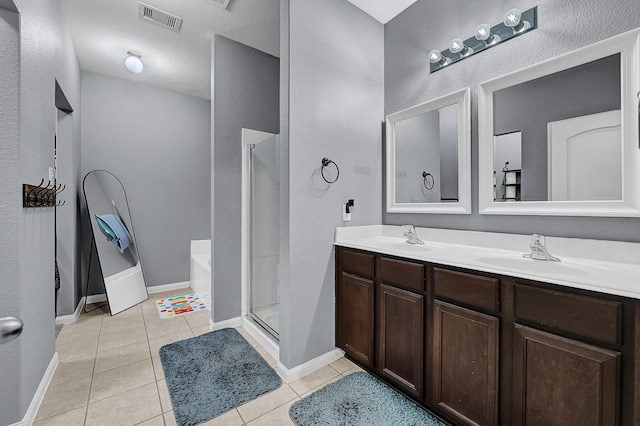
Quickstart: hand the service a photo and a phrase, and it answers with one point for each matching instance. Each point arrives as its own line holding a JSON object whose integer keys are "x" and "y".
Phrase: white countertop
{"x": 605, "y": 266}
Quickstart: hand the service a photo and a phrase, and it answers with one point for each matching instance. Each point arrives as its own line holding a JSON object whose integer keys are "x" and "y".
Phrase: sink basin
{"x": 564, "y": 267}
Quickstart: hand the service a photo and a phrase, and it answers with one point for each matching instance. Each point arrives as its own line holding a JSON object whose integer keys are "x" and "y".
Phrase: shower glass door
{"x": 264, "y": 235}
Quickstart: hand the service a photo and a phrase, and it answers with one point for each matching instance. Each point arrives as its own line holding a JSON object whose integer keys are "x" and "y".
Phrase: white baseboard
{"x": 295, "y": 373}
{"x": 168, "y": 287}
{"x": 69, "y": 319}
{"x": 272, "y": 347}
{"x": 97, "y": 298}
{"x": 30, "y": 416}
{"x": 230, "y": 323}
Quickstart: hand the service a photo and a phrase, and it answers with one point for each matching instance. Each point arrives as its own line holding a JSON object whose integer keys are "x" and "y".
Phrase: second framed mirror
{"x": 561, "y": 137}
{"x": 428, "y": 157}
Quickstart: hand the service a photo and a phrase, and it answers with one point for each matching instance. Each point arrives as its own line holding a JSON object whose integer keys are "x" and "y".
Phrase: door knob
{"x": 10, "y": 328}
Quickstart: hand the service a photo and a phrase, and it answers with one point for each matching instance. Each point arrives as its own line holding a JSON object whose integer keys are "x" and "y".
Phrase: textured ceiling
{"x": 104, "y": 30}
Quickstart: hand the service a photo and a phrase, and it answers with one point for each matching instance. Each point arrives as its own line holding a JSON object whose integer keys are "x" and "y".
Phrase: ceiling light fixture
{"x": 133, "y": 62}
{"x": 515, "y": 24}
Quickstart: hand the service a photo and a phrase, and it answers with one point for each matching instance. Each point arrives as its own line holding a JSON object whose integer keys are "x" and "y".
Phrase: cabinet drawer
{"x": 584, "y": 316}
{"x": 358, "y": 263}
{"x": 409, "y": 275}
{"x": 473, "y": 290}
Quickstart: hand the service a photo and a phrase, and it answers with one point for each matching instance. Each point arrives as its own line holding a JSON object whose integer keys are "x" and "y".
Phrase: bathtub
{"x": 200, "y": 269}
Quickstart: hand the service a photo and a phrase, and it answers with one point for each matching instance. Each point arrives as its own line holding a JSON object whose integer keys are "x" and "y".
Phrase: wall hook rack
{"x": 41, "y": 195}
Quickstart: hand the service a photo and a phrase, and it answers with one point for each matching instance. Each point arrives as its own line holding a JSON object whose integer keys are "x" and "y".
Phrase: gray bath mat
{"x": 359, "y": 400}
{"x": 213, "y": 373}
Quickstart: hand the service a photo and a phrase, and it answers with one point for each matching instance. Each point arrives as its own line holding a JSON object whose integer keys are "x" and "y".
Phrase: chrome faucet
{"x": 412, "y": 235}
{"x": 539, "y": 250}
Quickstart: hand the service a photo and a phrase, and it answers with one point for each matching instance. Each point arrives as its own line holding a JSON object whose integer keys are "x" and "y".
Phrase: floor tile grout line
{"x": 120, "y": 393}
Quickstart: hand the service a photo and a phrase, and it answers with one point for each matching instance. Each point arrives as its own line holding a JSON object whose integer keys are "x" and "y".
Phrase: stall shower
{"x": 261, "y": 183}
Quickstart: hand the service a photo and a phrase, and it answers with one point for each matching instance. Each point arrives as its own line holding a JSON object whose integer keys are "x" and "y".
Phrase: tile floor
{"x": 109, "y": 372}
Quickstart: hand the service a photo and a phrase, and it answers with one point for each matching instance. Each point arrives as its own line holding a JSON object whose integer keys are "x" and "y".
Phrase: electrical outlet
{"x": 346, "y": 217}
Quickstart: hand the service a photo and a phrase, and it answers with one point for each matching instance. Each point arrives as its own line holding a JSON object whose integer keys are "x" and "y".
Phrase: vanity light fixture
{"x": 515, "y": 23}
{"x": 133, "y": 62}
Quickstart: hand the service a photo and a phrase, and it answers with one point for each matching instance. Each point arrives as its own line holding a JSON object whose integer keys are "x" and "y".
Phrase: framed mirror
{"x": 428, "y": 157}
{"x": 561, "y": 137}
{"x": 114, "y": 240}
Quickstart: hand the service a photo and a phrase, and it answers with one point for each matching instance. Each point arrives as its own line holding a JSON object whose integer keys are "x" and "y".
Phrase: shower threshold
{"x": 264, "y": 322}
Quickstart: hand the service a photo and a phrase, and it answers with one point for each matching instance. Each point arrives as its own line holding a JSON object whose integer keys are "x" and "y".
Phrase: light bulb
{"x": 458, "y": 46}
{"x": 133, "y": 62}
{"x": 483, "y": 33}
{"x": 512, "y": 18}
{"x": 435, "y": 56}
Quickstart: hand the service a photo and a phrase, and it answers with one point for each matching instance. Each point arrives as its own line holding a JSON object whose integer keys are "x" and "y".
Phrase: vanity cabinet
{"x": 560, "y": 381}
{"x": 466, "y": 347}
{"x": 355, "y": 312}
{"x": 486, "y": 349}
{"x": 400, "y": 323}
{"x": 400, "y": 316}
{"x": 574, "y": 349}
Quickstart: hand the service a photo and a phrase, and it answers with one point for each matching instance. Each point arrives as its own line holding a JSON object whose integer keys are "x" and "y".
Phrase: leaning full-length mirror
{"x": 114, "y": 240}
{"x": 561, "y": 137}
{"x": 429, "y": 157}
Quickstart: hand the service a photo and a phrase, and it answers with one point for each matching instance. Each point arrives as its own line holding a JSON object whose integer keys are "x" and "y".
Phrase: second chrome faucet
{"x": 412, "y": 235}
{"x": 539, "y": 249}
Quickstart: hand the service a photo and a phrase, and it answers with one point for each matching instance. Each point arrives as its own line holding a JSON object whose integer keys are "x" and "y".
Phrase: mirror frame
{"x": 628, "y": 46}
{"x": 461, "y": 98}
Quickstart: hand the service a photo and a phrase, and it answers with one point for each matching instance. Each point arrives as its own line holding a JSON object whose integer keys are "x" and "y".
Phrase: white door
{"x": 585, "y": 158}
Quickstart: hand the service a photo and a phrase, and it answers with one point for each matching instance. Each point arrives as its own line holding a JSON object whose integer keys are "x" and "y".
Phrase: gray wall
{"x": 27, "y": 103}
{"x": 10, "y": 211}
{"x": 332, "y": 106}
{"x": 562, "y": 27}
{"x": 245, "y": 94}
{"x": 157, "y": 143}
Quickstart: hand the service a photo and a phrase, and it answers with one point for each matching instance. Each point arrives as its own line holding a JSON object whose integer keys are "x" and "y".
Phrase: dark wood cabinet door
{"x": 355, "y": 307}
{"x": 563, "y": 382}
{"x": 401, "y": 337}
{"x": 465, "y": 364}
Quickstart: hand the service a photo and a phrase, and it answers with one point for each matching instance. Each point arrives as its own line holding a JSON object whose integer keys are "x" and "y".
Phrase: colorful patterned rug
{"x": 180, "y": 305}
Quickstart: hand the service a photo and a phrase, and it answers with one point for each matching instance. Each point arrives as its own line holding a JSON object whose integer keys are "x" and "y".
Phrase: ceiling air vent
{"x": 221, "y": 3}
{"x": 159, "y": 17}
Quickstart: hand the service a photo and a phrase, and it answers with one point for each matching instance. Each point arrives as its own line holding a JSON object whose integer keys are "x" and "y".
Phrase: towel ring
{"x": 325, "y": 163}
{"x": 428, "y": 180}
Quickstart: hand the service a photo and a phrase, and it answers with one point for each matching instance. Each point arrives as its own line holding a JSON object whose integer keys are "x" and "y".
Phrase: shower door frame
{"x": 270, "y": 342}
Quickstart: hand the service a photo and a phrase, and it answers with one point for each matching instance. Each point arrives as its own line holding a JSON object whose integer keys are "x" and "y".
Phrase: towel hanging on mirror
{"x": 114, "y": 230}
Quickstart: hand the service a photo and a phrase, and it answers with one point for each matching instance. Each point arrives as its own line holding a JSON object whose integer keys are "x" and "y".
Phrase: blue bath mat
{"x": 359, "y": 400}
{"x": 210, "y": 374}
